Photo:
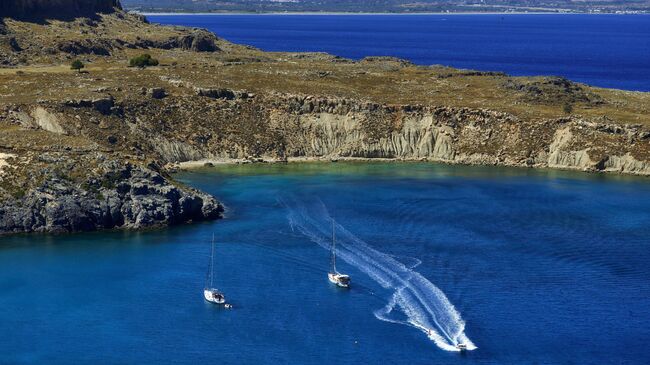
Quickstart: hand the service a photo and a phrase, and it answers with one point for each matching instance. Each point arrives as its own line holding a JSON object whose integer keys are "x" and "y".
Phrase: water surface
{"x": 531, "y": 266}
{"x": 601, "y": 50}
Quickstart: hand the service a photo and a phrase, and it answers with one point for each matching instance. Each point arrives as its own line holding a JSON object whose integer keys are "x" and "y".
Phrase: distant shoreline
{"x": 404, "y": 14}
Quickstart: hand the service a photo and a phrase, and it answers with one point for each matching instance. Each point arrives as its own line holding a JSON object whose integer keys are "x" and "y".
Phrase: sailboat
{"x": 334, "y": 276}
{"x": 211, "y": 294}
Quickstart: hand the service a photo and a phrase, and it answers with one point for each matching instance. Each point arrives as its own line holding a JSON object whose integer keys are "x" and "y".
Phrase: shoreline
{"x": 208, "y": 162}
{"x": 187, "y": 166}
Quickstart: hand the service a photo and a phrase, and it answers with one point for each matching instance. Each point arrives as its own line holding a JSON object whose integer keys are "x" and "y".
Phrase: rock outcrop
{"x": 196, "y": 41}
{"x": 54, "y": 8}
{"x": 98, "y": 28}
{"x": 118, "y": 196}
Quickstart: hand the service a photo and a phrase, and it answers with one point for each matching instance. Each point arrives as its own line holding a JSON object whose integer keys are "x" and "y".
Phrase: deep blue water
{"x": 601, "y": 50}
{"x": 542, "y": 267}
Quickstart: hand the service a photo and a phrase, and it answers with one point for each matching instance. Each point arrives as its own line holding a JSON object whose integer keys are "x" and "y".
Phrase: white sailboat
{"x": 210, "y": 293}
{"x": 334, "y": 276}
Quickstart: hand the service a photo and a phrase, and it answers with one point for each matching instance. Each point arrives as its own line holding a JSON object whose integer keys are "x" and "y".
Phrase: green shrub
{"x": 568, "y": 108}
{"x": 77, "y": 65}
{"x": 143, "y": 61}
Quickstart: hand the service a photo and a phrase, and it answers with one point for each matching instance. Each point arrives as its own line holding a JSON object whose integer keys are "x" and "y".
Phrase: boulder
{"x": 103, "y": 105}
{"x": 216, "y": 93}
{"x": 156, "y": 92}
{"x": 199, "y": 41}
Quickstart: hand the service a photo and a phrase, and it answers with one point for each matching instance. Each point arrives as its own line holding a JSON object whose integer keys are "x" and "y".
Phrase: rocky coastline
{"x": 95, "y": 149}
{"x": 115, "y": 195}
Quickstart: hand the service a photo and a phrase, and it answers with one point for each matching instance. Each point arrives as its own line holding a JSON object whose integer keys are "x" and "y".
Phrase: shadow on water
{"x": 412, "y": 170}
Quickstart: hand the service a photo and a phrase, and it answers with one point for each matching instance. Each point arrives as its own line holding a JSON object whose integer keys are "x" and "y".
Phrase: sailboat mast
{"x": 333, "y": 248}
{"x": 212, "y": 263}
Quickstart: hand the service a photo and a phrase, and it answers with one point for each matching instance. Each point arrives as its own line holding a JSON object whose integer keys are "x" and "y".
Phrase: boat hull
{"x": 213, "y": 296}
{"x": 339, "y": 280}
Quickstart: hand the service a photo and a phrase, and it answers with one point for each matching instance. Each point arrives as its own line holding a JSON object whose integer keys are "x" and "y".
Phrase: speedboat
{"x": 461, "y": 347}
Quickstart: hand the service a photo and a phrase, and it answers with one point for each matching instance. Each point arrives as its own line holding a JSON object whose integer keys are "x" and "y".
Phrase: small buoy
{"x": 227, "y": 306}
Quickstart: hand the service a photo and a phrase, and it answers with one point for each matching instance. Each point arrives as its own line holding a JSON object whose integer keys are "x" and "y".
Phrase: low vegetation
{"x": 142, "y": 61}
{"x": 77, "y": 65}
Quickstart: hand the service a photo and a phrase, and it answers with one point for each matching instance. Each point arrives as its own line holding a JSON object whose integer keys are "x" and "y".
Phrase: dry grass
{"x": 243, "y": 68}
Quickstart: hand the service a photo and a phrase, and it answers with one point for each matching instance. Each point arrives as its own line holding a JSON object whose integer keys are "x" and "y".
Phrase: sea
{"x": 523, "y": 266}
{"x": 605, "y": 50}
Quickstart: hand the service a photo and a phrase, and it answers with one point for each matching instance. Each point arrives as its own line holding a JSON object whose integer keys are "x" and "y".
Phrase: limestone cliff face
{"x": 63, "y": 7}
{"x": 475, "y": 137}
{"x": 288, "y": 126}
{"x": 564, "y": 144}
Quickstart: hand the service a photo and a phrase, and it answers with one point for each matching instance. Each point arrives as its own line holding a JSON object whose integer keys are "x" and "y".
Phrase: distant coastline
{"x": 147, "y": 13}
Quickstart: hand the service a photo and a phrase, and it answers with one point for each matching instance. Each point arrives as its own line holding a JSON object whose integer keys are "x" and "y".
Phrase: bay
{"x": 539, "y": 266}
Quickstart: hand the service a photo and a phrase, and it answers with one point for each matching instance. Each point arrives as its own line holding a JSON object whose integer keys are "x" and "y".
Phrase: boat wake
{"x": 415, "y": 301}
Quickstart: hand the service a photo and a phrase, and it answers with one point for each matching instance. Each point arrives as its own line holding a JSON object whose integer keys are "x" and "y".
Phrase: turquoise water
{"x": 530, "y": 266}
{"x": 602, "y": 50}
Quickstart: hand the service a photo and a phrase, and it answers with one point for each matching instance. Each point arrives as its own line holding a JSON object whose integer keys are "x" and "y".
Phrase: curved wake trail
{"x": 423, "y": 305}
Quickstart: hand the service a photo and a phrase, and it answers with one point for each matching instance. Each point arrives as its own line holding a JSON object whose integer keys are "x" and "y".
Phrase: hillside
{"x": 97, "y": 148}
{"x": 57, "y": 8}
{"x": 390, "y": 6}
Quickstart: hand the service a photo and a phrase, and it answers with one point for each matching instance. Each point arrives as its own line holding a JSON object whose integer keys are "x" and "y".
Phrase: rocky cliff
{"x": 466, "y": 136}
{"x": 107, "y": 194}
{"x": 299, "y": 126}
{"x": 55, "y": 8}
{"x": 56, "y": 31}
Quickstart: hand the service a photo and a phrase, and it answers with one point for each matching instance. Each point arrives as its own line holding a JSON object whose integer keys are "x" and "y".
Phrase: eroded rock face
{"x": 285, "y": 126}
{"x": 55, "y": 7}
{"x": 197, "y": 41}
{"x": 124, "y": 196}
{"x": 463, "y": 136}
{"x": 105, "y": 105}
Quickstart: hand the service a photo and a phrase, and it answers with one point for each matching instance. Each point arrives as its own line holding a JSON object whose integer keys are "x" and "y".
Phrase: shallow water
{"x": 530, "y": 266}
{"x": 602, "y": 50}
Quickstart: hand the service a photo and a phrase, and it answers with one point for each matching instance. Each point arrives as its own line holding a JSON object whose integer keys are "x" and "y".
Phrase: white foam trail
{"x": 425, "y": 306}
{"x": 410, "y": 262}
